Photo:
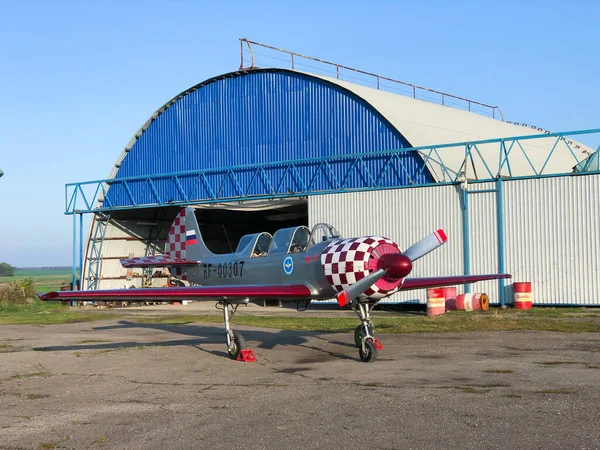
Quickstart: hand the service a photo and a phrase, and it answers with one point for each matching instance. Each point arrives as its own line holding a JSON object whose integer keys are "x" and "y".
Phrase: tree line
{"x": 6, "y": 270}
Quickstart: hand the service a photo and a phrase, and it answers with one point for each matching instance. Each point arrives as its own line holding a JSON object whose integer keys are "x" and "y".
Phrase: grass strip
{"x": 419, "y": 324}
{"x": 554, "y": 319}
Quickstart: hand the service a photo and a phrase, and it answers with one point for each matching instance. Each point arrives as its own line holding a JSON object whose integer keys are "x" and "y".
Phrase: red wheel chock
{"x": 378, "y": 344}
{"x": 246, "y": 355}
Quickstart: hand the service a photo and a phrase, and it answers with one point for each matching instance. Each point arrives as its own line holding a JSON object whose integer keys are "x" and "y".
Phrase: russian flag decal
{"x": 190, "y": 237}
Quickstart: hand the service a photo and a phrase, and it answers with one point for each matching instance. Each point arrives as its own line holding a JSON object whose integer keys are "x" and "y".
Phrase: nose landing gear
{"x": 368, "y": 345}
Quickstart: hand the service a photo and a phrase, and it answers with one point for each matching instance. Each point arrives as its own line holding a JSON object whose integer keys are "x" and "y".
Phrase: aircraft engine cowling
{"x": 347, "y": 261}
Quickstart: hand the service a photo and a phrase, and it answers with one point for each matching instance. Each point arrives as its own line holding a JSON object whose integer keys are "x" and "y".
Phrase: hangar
{"x": 260, "y": 149}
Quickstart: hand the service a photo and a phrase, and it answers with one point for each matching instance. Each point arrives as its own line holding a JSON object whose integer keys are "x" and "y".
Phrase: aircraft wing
{"x": 420, "y": 283}
{"x": 291, "y": 291}
{"x": 156, "y": 261}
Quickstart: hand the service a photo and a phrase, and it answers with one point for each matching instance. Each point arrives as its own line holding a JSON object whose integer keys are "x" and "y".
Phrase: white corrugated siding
{"x": 551, "y": 232}
{"x": 552, "y": 227}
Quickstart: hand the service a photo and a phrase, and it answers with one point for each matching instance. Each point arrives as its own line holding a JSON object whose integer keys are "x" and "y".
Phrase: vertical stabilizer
{"x": 184, "y": 240}
{"x": 195, "y": 246}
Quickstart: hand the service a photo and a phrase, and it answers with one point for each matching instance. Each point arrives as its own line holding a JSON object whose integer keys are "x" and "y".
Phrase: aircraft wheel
{"x": 238, "y": 344}
{"x": 370, "y": 353}
{"x": 358, "y": 334}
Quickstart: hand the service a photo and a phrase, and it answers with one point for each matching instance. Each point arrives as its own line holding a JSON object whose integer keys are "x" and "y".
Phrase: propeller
{"x": 426, "y": 245}
{"x": 394, "y": 266}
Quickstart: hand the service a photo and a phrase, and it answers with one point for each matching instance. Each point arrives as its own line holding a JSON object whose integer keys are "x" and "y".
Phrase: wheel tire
{"x": 238, "y": 344}
{"x": 370, "y": 353}
{"x": 358, "y": 333}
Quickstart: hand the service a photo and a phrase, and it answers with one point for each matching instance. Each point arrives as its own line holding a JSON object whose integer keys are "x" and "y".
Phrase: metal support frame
{"x": 299, "y": 178}
{"x": 499, "y": 231}
{"x": 75, "y": 264}
{"x": 151, "y": 245}
{"x": 95, "y": 256}
{"x": 465, "y": 234}
{"x": 500, "y": 227}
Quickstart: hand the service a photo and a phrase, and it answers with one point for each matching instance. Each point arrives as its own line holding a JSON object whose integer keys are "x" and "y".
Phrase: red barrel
{"x": 450, "y": 296}
{"x": 472, "y": 302}
{"x": 435, "y": 302}
{"x": 523, "y": 295}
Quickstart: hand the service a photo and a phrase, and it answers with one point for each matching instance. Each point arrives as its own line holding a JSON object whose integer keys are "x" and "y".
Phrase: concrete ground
{"x": 120, "y": 385}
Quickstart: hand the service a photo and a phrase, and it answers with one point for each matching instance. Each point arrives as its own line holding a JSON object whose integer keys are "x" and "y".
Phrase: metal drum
{"x": 435, "y": 302}
{"x": 523, "y": 295}
{"x": 472, "y": 302}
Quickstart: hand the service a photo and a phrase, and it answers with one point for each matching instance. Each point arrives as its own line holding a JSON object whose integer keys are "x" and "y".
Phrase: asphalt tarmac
{"x": 120, "y": 385}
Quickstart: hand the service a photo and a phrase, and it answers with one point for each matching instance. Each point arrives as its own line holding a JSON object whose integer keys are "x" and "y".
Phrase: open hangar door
{"x": 223, "y": 227}
{"x": 143, "y": 232}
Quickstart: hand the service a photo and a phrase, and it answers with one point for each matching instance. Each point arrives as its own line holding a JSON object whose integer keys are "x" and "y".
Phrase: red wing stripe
{"x": 188, "y": 293}
{"x": 420, "y": 283}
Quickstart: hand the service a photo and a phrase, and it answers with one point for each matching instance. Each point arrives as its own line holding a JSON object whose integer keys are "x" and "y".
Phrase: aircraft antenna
{"x": 228, "y": 241}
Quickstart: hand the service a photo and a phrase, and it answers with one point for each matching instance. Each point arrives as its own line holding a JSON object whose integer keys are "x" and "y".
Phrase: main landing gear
{"x": 368, "y": 345}
{"x": 236, "y": 344}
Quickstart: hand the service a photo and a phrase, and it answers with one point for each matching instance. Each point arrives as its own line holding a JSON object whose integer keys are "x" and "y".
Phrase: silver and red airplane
{"x": 294, "y": 265}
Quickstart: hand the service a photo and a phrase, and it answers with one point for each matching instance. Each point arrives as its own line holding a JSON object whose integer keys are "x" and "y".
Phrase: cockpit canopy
{"x": 285, "y": 241}
{"x": 290, "y": 240}
{"x": 254, "y": 245}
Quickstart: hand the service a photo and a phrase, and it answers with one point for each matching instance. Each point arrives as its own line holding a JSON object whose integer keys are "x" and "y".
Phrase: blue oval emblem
{"x": 288, "y": 265}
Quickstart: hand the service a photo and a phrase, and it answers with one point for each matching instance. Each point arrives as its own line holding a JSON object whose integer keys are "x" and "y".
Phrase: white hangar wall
{"x": 551, "y": 235}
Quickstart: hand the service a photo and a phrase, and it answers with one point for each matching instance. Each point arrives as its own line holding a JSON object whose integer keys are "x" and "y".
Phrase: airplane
{"x": 294, "y": 265}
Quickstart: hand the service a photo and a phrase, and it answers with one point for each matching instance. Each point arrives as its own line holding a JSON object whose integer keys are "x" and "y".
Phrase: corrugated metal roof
{"x": 278, "y": 114}
{"x": 255, "y": 117}
{"x": 425, "y": 124}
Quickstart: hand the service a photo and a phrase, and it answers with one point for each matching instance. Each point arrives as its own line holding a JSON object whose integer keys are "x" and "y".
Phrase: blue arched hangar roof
{"x": 244, "y": 120}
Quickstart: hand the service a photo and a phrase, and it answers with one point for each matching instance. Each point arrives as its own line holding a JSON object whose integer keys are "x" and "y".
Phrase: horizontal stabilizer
{"x": 420, "y": 283}
{"x": 157, "y": 261}
{"x": 167, "y": 294}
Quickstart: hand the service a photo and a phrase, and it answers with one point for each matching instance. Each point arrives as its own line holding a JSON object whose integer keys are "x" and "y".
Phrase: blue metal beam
{"x": 299, "y": 178}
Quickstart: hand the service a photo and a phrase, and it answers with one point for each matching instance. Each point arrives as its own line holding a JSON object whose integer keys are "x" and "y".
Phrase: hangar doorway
{"x": 223, "y": 227}
{"x": 144, "y": 232}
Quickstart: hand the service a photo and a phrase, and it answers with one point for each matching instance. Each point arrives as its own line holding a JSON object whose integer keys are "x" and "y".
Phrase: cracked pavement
{"x": 117, "y": 384}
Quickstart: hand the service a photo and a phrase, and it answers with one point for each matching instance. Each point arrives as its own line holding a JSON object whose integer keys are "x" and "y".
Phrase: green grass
{"x": 45, "y": 313}
{"x": 552, "y": 319}
{"x": 45, "y": 280}
{"x": 41, "y": 373}
{"x": 493, "y": 321}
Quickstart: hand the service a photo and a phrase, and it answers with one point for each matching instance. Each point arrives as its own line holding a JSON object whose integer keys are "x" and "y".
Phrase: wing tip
{"x": 47, "y": 296}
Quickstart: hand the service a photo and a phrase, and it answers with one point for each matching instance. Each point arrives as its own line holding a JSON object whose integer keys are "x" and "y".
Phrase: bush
{"x": 18, "y": 292}
{"x": 6, "y": 270}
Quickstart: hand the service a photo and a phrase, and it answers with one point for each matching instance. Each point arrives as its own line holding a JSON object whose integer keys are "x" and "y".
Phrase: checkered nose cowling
{"x": 347, "y": 261}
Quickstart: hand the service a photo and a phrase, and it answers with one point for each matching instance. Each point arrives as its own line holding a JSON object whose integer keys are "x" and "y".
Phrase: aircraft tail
{"x": 185, "y": 241}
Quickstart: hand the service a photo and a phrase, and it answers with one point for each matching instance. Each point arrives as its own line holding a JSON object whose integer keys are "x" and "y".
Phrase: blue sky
{"x": 77, "y": 79}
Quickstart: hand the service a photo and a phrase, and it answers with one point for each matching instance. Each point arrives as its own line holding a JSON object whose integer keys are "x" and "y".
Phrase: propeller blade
{"x": 359, "y": 287}
{"x": 426, "y": 245}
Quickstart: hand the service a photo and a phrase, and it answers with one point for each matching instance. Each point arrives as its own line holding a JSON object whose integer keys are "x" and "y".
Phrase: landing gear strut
{"x": 236, "y": 344}
{"x": 367, "y": 344}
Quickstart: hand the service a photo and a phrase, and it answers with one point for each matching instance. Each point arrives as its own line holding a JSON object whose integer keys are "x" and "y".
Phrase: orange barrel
{"x": 471, "y": 302}
{"x": 523, "y": 296}
{"x": 435, "y": 302}
{"x": 450, "y": 296}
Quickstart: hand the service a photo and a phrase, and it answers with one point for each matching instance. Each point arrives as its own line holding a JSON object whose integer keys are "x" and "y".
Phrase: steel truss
{"x": 300, "y": 178}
